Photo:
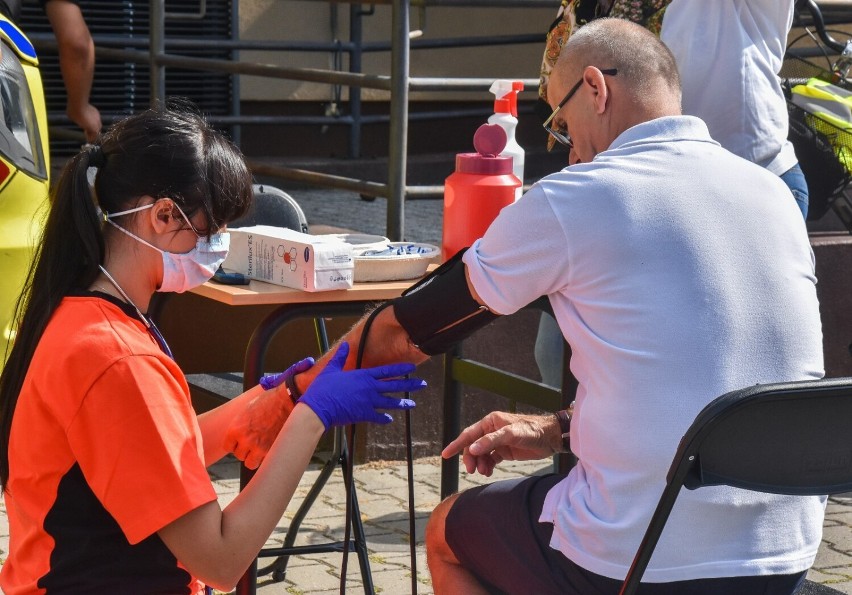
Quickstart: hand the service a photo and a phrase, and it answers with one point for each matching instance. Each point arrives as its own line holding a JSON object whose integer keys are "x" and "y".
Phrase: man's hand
{"x": 252, "y": 432}
{"x": 501, "y": 436}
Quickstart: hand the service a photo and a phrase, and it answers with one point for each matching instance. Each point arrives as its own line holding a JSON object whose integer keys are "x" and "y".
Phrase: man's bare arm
{"x": 387, "y": 342}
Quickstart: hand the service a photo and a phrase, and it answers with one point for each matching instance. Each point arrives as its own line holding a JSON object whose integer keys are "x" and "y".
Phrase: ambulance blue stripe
{"x": 22, "y": 44}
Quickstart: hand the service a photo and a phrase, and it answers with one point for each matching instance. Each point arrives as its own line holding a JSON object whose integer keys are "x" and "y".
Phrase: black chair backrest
{"x": 273, "y": 206}
{"x": 785, "y": 438}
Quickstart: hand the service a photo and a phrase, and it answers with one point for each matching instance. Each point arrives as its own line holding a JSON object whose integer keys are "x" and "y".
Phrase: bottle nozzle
{"x": 506, "y": 96}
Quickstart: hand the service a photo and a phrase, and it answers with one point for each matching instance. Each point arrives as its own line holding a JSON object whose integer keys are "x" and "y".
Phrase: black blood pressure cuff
{"x": 439, "y": 311}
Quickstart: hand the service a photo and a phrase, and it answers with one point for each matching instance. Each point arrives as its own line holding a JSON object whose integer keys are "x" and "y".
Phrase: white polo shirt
{"x": 729, "y": 53}
{"x": 676, "y": 274}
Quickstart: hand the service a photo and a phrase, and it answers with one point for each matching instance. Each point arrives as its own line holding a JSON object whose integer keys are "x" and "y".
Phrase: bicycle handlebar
{"x": 819, "y": 23}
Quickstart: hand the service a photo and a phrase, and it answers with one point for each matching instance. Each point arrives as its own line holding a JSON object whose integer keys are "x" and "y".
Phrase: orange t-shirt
{"x": 105, "y": 450}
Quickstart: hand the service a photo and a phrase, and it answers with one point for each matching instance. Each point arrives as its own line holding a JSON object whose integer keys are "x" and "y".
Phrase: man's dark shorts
{"x": 494, "y": 532}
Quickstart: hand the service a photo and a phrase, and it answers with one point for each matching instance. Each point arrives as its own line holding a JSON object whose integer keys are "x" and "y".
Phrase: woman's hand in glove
{"x": 342, "y": 398}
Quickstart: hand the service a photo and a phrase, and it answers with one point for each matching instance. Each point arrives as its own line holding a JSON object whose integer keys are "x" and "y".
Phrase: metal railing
{"x": 163, "y": 53}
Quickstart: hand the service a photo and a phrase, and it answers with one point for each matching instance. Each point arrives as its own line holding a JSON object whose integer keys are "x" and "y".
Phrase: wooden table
{"x": 293, "y": 304}
{"x": 259, "y": 293}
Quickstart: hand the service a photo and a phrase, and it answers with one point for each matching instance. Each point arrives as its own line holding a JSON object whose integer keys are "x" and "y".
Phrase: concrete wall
{"x": 315, "y": 21}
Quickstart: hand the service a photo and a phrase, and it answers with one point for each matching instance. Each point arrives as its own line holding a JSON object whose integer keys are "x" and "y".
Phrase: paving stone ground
{"x": 383, "y": 496}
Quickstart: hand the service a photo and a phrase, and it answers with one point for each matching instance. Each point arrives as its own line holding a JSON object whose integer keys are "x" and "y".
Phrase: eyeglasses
{"x": 562, "y": 136}
{"x": 188, "y": 226}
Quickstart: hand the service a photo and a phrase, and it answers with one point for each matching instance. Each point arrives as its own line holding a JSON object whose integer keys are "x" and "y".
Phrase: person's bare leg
{"x": 448, "y": 575}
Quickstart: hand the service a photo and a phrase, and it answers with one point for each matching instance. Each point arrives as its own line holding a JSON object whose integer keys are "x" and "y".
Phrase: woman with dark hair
{"x": 102, "y": 459}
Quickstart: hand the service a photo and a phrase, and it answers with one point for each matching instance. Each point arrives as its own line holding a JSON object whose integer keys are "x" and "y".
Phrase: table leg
{"x": 252, "y": 371}
{"x": 451, "y": 423}
{"x": 278, "y": 568}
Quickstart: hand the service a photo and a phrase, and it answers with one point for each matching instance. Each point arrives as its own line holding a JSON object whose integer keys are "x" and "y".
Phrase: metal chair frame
{"x": 785, "y": 438}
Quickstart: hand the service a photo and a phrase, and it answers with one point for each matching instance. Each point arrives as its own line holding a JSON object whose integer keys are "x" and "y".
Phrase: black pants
{"x": 494, "y": 532}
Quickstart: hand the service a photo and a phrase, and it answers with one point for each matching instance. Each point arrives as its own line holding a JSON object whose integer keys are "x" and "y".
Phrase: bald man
{"x": 677, "y": 272}
{"x": 648, "y": 248}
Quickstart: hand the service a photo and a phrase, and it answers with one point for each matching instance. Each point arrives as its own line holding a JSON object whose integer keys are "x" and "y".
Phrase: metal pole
{"x": 356, "y": 37}
{"x": 398, "y": 120}
{"x": 336, "y": 77}
{"x": 319, "y": 179}
{"x": 157, "y": 25}
{"x": 236, "y": 130}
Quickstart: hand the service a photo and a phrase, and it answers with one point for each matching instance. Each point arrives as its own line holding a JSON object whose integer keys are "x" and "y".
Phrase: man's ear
{"x": 597, "y": 81}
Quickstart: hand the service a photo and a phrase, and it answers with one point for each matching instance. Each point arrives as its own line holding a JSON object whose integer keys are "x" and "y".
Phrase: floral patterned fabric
{"x": 648, "y": 13}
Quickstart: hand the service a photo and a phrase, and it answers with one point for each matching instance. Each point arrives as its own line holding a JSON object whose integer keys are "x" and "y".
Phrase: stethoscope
{"x": 149, "y": 324}
{"x": 153, "y": 331}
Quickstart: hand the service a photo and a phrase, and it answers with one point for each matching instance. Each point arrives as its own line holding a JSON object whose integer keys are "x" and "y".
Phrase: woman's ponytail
{"x": 66, "y": 258}
{"x": 157, "y": 153}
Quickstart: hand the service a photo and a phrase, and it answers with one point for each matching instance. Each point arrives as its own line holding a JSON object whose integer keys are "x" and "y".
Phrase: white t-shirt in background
{"x": 729, "y": 53}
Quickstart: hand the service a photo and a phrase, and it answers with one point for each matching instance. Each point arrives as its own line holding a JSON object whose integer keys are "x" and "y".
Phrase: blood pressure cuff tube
{"x": 439, "y": 311}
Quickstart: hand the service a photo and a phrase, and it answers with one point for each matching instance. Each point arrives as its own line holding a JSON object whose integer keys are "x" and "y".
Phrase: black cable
{"x": 808, "y": 33}
{"x": 350, "y": 488}
{"x": 349, "y": 449}
{"x": 412, "y": 528}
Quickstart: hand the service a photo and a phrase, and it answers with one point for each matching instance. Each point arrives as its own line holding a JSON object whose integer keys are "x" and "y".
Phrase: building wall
{"x": 305, "y": 20}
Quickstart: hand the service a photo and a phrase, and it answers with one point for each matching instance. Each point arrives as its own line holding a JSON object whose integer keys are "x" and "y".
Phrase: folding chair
{"x": 273, "y": 206}
{"x": 787, "y": 438}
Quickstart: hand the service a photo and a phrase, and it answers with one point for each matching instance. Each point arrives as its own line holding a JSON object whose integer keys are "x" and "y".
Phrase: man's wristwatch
{"x": 564, "y": 418}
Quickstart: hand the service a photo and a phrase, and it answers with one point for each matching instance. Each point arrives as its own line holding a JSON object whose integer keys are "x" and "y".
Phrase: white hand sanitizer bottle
{"x": 506, "y": 116}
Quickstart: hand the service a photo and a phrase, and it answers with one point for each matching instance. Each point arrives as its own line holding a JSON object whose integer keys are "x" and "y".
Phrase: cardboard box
{"x": 289, "y": 258}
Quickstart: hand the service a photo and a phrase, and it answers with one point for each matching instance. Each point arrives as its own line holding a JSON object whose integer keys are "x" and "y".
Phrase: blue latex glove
{"x": 341, "y": 398}
{"x": 272, "y": 380}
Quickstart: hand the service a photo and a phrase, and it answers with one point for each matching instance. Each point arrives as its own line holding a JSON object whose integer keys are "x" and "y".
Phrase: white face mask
{"x": 184, "y": 271}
